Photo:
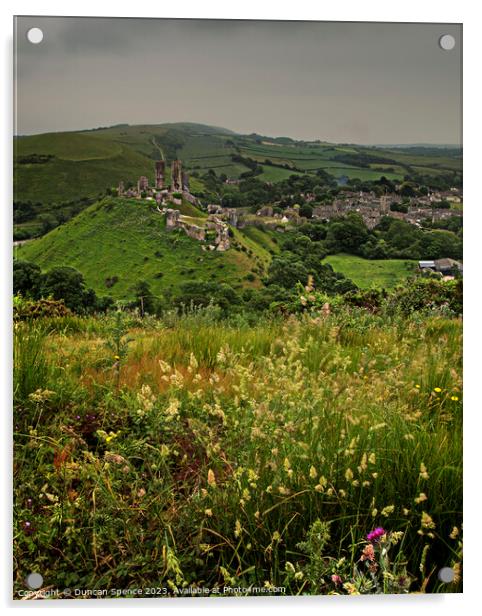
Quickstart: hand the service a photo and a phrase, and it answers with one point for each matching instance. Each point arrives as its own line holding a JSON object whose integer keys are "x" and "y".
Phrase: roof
{"x": 426, "y": 264}
{"x": 442, "y": 264}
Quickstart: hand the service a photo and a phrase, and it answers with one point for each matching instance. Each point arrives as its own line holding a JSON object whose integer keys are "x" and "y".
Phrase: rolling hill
{"x": 59, "y": 174}
{"x": 117, "y": 242}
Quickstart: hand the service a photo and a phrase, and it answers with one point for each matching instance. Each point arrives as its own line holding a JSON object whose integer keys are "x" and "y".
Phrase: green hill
{"x": 126, "y": 241}
{"x": 56, "y": 175}
{"x": 58, "y": 167}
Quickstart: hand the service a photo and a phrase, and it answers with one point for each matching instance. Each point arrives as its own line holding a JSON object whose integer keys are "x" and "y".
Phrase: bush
{"x": 111, "y": 281}
{"x": 426, "y": 295}
{"x": 25, "y": 309}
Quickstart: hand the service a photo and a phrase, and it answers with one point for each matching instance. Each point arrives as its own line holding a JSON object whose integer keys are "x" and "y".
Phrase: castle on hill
{"x": 178, "y": 188}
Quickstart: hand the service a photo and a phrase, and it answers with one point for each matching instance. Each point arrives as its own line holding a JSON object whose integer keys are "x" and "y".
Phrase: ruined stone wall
{"x": 172, "y": 219}
{"x": 176, "y": 176}
{"x": 142, "y": 184}
{"x": 191, "y": 198}
{"x": 195, "y": 232}
{"x": 160, "y": 171}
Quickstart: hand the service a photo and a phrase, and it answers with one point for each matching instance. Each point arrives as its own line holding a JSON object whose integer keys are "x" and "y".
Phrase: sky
{"x": 371, "y": 83}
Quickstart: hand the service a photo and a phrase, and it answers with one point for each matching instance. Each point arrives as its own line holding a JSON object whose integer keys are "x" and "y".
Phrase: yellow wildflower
{"x": 350, "y": 588}
{"x": 437, "y": 390}
{"x": 313, "y": 472}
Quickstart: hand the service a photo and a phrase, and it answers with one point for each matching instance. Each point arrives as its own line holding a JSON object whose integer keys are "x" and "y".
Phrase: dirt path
{"x": 156, "y": 145}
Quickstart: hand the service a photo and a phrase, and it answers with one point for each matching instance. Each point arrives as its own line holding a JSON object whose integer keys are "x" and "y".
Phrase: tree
{"x": 347, "y": 235}
{"x": 64, "y": 283}
{"x": 145, "y": 300}
{"x": 287, "y": 271}
{"x": 26, "y": 278}
{"x": 401, "y": 234}
{"x": 202, "y": 294}
{"x": 439, "y": 244}
{"x": 306, "y": 210}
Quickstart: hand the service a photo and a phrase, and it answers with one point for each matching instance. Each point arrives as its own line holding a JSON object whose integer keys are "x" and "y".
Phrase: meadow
{"x": 367, "y": 274}
{"x": 318, "y": 453}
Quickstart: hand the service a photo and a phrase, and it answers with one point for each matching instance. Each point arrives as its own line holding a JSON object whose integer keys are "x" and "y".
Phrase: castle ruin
{"x": 176, "y": 176}
{"x": 160, "y": 169}
{"x": 159, "y": 191}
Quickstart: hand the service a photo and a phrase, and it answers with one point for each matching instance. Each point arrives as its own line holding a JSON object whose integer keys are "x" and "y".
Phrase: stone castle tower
{"x": 142, "y": 184}
{"x": 176, "y": 176}
{"x": 160, "y": 169}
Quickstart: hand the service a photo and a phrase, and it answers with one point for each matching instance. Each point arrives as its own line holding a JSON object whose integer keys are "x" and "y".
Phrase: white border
{"x": 350, "y": 10}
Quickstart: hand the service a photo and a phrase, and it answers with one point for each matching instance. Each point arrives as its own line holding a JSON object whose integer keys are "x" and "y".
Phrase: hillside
{"x": 127, "y": 240}
{"x": 59, "y": 174}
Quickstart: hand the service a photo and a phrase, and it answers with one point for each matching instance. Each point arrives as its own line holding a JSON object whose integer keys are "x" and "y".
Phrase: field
{"x": 86, "y": 163}
{"x": 366, "y": 273}
{"x": 189, "y": 452}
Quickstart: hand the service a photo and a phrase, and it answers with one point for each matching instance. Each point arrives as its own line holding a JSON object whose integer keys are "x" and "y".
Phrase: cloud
{"x": 334, "y": 81}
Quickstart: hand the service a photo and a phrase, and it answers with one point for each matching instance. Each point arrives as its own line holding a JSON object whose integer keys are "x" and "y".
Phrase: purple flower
{"x": 28, "y": 529}
{"x": 375, "y": 534}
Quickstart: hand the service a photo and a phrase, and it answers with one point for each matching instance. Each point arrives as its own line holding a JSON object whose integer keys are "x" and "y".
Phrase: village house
{"x": 448, "y": 268}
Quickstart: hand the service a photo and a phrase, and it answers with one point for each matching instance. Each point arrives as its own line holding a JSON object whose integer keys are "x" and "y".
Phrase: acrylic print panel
{"x": 237, "y": 311}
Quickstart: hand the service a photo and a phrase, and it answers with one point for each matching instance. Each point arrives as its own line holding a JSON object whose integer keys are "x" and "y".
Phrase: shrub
{"x": 25, "y": 309}
{"x": 111, "y": 281}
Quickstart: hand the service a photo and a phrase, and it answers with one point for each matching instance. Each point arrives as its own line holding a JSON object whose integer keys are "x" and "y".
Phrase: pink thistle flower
{"x": 375, "y": 534}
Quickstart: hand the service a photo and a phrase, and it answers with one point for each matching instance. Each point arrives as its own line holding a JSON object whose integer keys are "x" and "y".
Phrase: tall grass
{"x": 225, "y": 444}
{"x": 31, "y": 367}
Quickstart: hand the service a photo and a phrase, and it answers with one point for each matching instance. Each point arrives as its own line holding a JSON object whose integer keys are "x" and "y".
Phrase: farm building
{"x": 447, "y": 267}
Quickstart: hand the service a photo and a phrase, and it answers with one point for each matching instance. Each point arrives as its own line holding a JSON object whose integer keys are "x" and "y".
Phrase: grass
{"x": 60, "y": 180}
{"x": 275, "y": 174}
{"x": 128, "y": 239}
{"x": 236, "y": 455}
{"x": 365, "y": 273}
{"x": 66, "y": 146}
{"x": 86, "y": 163}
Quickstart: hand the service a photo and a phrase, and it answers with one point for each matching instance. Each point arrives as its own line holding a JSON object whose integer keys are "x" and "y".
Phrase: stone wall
{"x": 173, "y": 219}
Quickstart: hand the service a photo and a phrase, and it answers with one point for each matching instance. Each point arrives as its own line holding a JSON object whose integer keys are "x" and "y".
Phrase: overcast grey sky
{"x": 341, "y": 82}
